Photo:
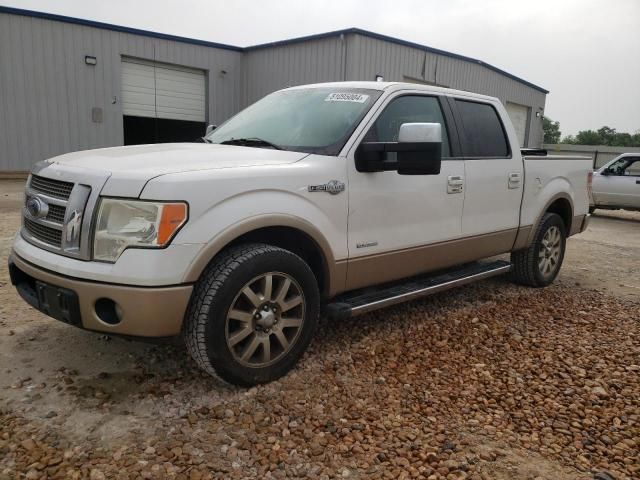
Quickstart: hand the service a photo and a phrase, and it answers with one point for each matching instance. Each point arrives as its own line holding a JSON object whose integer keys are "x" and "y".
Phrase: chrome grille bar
{"x": 56, "y": 214}
{"x": 51, "y": 187}
{"x": 59, "y": 204}
{"x": 44, "y": 233}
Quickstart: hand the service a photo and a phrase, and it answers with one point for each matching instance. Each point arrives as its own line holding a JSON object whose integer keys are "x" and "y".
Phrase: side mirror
{"x": 418, "y": 149}
{"x": 210, "y": 128}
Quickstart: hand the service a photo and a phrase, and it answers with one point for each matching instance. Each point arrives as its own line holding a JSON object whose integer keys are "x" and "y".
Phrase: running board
{"x": 367, "y": 300}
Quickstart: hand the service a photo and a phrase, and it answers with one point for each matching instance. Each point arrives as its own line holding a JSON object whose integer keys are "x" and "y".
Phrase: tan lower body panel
{"x": 390, "y": 266}
{"x": 146, "y": 312}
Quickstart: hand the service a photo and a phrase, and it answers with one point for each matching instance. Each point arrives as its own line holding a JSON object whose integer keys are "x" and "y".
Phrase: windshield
{"x": 312, "y": 120}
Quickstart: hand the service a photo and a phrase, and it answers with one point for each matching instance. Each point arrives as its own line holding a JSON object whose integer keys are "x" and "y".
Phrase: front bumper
{"x": 99, "y": 306}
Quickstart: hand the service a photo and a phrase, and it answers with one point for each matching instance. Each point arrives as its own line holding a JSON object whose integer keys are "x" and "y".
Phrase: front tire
{"x": 538, "y": 265}
{"x": 252, "y": 315}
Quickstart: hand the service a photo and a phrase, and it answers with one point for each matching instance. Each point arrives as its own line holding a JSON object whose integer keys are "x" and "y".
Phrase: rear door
{"x": 494, "y": 172}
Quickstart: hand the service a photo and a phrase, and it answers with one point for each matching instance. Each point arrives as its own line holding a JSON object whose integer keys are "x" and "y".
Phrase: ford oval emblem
{"x": 37, "y": 208}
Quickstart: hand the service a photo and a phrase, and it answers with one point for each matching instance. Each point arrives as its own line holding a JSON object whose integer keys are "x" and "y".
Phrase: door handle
{"x": 637, "y": 182}
{"x": 514, "y": 180}
{"x": 455, "y": 184}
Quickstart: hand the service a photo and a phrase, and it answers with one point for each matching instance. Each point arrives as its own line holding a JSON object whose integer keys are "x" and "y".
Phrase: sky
{"x": 585, "y": 52}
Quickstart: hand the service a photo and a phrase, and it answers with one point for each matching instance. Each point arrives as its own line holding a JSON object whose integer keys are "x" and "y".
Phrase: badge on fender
{"x": 333, "y": 187}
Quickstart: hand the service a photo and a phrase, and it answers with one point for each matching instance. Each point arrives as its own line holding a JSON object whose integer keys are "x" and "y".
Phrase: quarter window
{"x": 484, "y": 135}
{"x": 408, "y": 109}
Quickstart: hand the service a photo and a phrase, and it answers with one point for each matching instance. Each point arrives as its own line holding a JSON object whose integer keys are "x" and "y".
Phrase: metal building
{"x": 69, "y": 84}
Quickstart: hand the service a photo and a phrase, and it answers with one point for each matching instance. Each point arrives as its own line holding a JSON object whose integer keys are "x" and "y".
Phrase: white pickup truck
{"x": 342, "y": 196}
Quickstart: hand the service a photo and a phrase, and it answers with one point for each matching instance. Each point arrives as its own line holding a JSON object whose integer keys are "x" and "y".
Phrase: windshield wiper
{"x": 251, "y": 142}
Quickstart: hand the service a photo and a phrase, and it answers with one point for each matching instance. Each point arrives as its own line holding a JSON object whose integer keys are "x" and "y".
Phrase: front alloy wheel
{"x": 265, "y": 319}
{"x": 252, "y": 314}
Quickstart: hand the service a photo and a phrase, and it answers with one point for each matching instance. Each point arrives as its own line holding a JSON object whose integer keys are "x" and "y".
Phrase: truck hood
{"x": 130, "y": 168}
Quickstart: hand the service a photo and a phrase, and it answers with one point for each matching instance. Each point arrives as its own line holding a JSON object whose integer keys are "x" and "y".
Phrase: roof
{"x": 336, "y": 33}
{"x": 393, "y": 86}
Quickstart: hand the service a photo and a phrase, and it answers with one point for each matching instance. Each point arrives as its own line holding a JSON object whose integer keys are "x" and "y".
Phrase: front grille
{"x": 56, "y": 213}
{"x": 51, "y": 187}
{"x": 43, "y": 233}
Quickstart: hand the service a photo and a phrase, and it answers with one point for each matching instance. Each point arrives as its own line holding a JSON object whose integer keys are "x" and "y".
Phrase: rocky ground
{"x": 491, "y": 381}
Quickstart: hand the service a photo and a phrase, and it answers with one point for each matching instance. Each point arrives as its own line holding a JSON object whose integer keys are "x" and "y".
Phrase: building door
{"x": 519, "y": 115}
{"x": 162, "y": 103}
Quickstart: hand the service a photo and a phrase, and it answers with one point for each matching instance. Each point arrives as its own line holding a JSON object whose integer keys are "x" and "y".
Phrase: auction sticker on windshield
{"x": 347, "y": 97}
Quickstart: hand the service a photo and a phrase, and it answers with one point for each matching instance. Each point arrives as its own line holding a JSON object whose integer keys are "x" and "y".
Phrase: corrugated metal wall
{"x": 47, "y": 91}
{"x": 368, "y": 57}
{"x": 272, "y": 68}
{"x": 600, "y": 154}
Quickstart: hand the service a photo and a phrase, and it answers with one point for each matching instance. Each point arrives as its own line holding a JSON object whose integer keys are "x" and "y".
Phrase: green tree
{"x": 621, "y": 140}
{"x": 551, "y": 130}
{"x": 589, "y": 137}
{"x": 607, "y": 135}
{"x": 603, "y": 136}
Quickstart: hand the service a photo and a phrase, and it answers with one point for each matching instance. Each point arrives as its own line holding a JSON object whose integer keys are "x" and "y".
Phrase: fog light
{"x": 108, "y": 311}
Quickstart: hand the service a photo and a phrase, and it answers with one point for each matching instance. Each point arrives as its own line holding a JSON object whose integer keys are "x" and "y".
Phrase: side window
{"x": 408, "y": 109}
{"x": 483, "y": 132}
{"x": 633, "y": 169}
{"x": 618, "y": 167}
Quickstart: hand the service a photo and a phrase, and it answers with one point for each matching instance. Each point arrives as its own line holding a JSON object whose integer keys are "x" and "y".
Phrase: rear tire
{"x": 538, "y": 265}
{"x": 252, "y": 314}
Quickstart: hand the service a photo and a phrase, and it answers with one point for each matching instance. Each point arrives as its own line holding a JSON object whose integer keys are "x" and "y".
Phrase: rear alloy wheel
{"x": 252, "y": 314}
{"x": 549, "y": 252}
{"x": 538, "y": 265}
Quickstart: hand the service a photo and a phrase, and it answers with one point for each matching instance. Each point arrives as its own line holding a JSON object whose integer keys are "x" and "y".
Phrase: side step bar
{"x": 367, "y": 300}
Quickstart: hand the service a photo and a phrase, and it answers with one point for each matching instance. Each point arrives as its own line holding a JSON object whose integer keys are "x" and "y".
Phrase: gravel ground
{"x": 491, "y": 381}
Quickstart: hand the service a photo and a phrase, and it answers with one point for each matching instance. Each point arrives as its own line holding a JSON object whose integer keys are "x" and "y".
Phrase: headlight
{"x": 131, "y": 223}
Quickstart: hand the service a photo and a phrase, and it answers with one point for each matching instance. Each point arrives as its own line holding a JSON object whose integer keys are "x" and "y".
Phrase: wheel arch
{"x": 564, "y": 208}
{"x": 285, "y": 231}
{"x": 561, "y": 204}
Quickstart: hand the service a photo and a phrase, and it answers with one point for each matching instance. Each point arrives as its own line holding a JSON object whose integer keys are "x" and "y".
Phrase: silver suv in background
{"x": 616, "y": 185}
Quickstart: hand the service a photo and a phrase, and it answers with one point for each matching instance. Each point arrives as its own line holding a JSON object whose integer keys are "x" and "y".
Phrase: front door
{"x": 621, "y": 186}
{"x": 394, "y": 219}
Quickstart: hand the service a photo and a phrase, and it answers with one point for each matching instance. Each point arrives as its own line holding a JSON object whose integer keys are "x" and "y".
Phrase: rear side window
{"x": 484, "y": 135}
{"x": 633, "y": 169}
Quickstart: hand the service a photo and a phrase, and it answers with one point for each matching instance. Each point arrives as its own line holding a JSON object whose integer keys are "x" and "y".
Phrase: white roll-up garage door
{"x": 157, "y": 90}
{"x": 519, "y": 115}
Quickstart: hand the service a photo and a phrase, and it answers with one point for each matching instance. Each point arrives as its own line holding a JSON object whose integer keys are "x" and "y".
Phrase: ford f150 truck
{"x": 344, "y": 197}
